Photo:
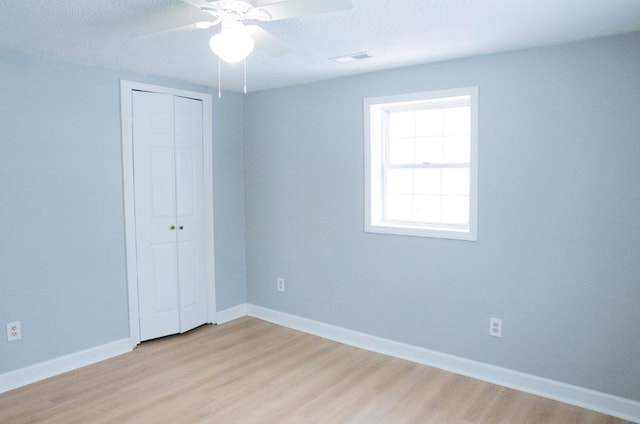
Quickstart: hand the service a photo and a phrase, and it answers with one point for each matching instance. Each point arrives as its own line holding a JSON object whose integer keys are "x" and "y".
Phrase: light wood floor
{"x": 250, "y": 371}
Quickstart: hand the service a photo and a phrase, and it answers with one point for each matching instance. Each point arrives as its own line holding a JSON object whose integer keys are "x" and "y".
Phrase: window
{"x": 421, "y": 164}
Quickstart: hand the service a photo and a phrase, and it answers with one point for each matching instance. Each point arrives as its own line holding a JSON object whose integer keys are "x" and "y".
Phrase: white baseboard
{"x": 232, "y": 313}
{"x": 42, "y": 370}
{"x": 608, "y": 404}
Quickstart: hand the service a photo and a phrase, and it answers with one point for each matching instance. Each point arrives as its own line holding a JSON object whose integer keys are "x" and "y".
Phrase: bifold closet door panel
{"x": 189, "y": 161}
{"x": 155, "y": 214}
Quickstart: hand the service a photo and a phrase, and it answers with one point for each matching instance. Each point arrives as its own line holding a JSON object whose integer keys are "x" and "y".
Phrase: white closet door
{"x": 169, "y": 213}
{"x": 155, "y": 212}
{"x": 190, "y": 212}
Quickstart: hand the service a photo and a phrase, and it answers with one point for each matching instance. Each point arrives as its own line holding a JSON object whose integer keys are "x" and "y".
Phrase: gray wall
{"x": 558, "y": 250}
{"x": 62, "y": 257}
{"x": 228, "y": 199}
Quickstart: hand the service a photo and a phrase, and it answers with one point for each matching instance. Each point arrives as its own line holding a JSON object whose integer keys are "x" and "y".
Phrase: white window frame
{"x": 374, "y": 166}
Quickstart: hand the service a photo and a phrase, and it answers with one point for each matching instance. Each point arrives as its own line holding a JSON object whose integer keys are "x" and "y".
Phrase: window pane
{"x": 398, "y": 207}
{"x": 427, "y": 181}
{"x": 457, "y": 120}
{"x": 399, "y": 181}
{"x": 427, "y": 209}
{"x": 402, "y": 124}
{"x": 455, "y": 181}
{"x": 455, "y": 209}
{"x": 429, "y": 150}
{"x": 457, "y": 149}
{"x": 429, "y": 122}
{"x": 402, "y": 150}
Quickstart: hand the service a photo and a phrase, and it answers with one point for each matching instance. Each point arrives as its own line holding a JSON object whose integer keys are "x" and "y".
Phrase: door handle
{"x": 173, "y": 227}
{"x": 181, "y": 227}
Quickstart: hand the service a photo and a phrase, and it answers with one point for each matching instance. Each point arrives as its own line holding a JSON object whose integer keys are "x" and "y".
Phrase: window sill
{"x": 422, "y": 232}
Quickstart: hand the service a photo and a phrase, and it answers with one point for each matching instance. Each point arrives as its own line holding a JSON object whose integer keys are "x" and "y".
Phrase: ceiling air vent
{"x": 351, "y": 57}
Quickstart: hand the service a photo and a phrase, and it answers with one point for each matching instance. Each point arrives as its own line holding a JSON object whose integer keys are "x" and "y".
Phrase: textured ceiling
{"x": 394, "y": 32}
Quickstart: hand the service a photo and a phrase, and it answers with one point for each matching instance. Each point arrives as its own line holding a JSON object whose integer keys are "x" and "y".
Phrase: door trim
{"x": 126, "y": 107}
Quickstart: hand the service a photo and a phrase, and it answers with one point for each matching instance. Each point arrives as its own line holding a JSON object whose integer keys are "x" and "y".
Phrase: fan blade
{"x": 196, "y": 3}
{"x": 197, "y": 25}
{"x": 297, "y": 8}
{"x": 268, "y": 42}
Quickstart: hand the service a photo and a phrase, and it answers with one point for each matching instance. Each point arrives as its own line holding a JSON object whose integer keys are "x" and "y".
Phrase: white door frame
{"x": 126, "y": 87}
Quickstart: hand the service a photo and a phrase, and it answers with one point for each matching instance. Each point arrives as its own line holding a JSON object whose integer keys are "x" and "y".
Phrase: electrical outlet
{"x": 495, "y": 327}
{"x": 280, "y": 284}
{"x": 13, "y": 331}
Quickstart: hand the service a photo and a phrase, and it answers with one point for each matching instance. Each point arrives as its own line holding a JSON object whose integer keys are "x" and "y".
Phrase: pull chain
{"x": 219, "y": 78}
{"x": 245, "y": 75}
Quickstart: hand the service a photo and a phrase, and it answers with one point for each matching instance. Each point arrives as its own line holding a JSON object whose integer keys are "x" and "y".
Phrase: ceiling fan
{"x": 235, "y": 40}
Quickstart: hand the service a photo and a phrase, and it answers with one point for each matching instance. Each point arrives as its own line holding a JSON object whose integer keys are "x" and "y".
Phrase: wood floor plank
{"x": 250, "y": 371}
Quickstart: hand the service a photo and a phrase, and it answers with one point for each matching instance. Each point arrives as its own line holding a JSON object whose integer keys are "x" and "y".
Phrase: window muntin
{"x": 421, "y": 164}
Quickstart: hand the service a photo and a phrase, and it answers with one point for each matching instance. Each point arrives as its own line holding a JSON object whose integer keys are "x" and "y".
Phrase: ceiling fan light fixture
{"x": 232, "y": 44}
